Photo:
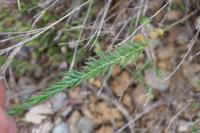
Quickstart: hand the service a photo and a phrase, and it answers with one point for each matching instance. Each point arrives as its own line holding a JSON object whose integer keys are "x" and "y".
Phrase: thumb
{"x": 7, "y": 124}
{"x": 12, "y": 125}
{"x": 3, "y": 122}
{"x": 2, "y": 94}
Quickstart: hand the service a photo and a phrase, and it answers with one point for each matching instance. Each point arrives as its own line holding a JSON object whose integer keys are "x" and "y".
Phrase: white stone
{"x": 58, "y": 101}
{"x": 61, "y": 128}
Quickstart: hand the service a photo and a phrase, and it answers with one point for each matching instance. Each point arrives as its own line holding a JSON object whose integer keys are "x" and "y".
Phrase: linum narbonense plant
{"x": 127, "y": 52}
{"x": 124, "y": 54}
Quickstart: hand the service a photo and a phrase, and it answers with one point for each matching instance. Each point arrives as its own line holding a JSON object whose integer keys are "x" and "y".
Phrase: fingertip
{"x": 12, "y": 127}
{"x": 4, "y": 123}
{"x": 7, "y": 124}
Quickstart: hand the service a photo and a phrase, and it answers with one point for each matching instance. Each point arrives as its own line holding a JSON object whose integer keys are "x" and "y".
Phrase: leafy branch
{"x": 123, "y": 55}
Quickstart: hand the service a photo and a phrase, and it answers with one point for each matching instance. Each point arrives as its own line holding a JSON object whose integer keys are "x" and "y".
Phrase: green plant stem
{"x": 123, "y": 55}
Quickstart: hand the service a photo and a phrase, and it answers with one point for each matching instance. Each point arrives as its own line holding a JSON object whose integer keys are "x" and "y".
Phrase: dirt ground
{"x": 159, "y": 93}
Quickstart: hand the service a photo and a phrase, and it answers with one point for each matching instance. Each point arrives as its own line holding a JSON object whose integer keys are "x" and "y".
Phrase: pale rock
{"x": 43, "y": 128}
{"x": 61, "y": 128}
{"x": 67, "y": 111}
{"x": 58, "y": 101}
{"x": 37, "y": 114}
{"x": 73, "y": 120}
{"x": 183, "y": 127}
{"x": 85, "y": 125}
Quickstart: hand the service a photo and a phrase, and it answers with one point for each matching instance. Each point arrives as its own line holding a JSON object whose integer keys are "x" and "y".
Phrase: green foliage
{"x": 159, "y": 73}
{"x": 195, "y": 129}
{"x": 19, "y": 66}
{"x": 149, "y": 92}
{"x": 49, "y": 42}
{"x": 198, "y": 82}
{"x": 10, "y": 23}
{"x": 180, "y": 7}
{"x": 141, "y": 21}
{"x": 138, "y": 75}
{"x": 195, "y": 105}
{"x": 94, "y": 67}
{"x": 26, "y": 6}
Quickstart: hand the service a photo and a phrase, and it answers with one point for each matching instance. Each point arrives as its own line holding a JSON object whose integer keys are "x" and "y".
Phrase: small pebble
{"x": 58, "y": 101}
{"x": 85, "y": 125}
{"x": 61, "y": 128}
{"x": 67, "y": 111}
{"x": 183, "y": 127}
